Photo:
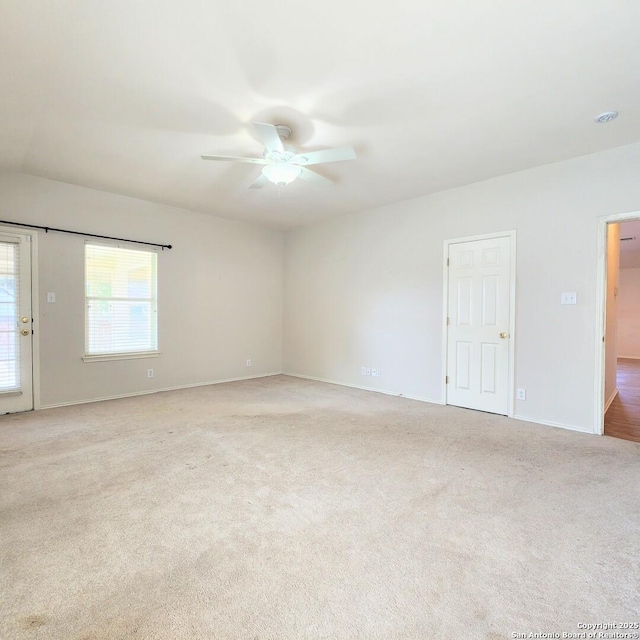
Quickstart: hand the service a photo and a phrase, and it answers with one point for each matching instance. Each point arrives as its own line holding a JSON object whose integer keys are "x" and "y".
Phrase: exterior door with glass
{"x": 16, "y": 341}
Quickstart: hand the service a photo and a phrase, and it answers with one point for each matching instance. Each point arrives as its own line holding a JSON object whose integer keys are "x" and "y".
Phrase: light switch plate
{"x": 51, "y": 296}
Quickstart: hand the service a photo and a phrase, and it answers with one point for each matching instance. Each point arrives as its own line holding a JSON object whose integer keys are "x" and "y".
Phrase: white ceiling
{"x": 125, "y": 95}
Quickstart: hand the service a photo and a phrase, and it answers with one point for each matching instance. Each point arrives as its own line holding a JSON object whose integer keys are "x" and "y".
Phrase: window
{"x": 121, "y": 301}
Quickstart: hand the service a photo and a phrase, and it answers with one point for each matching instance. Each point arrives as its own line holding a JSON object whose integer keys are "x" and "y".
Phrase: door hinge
{"x": 603, "y": 337}
{"x": 446, "y": 379}
{"x": 447, "y": 262}
{"x": 448, "y": 319}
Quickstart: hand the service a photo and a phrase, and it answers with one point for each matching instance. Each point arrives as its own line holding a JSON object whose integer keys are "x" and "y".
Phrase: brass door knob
{"x": 503, "y": 334}
{"x": 25, "y": 332}
{"x": 25, "y": 320}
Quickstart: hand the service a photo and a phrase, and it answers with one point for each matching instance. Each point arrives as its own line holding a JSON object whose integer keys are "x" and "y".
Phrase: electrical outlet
{"x": 365, "y": 371}
{"x": 569, "y": 297}
{"x": 521, "y": 394}
{"x": 375, "y": 373}
{"x": 248, "y": 362}
{"x": 149, "y": 373}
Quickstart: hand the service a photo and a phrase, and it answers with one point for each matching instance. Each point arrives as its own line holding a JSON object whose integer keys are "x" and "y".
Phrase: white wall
{"x": 219, "y": 291}
{"x": 629, "y": 313}
{"x": 366, "y": 289}
{"x": 611, "y": 313}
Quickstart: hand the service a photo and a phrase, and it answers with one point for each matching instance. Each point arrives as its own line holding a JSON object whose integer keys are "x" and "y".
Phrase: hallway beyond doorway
{"x": 622, "y": 419}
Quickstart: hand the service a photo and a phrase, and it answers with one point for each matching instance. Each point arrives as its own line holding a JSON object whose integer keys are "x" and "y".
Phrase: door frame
{"x": 511, "y": 234}
{"x": 601, "y": 311}
{"x": 32, "y": 239}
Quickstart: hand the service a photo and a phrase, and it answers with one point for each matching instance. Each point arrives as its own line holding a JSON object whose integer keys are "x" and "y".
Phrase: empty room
{"x": 310, "y": 320}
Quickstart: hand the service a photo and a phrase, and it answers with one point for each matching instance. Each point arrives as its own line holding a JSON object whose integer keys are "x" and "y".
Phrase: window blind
{"x": 121, "y": 299}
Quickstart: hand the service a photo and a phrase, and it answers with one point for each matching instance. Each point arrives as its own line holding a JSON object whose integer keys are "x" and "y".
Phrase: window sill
{"x": 121, "y": 356}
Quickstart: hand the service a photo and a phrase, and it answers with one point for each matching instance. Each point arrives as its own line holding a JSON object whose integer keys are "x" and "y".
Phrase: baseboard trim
{"x": 610, "y": 400}
{"x": 559, "y": 425}
{"x": 356, "y": 386}
{"x": 146, "y": 393}
{"x": 547, "y": 423}
{"x": 628, "y": 357}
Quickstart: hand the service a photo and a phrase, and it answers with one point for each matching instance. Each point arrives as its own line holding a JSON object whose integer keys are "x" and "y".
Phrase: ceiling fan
{"x": 282, "y": 165}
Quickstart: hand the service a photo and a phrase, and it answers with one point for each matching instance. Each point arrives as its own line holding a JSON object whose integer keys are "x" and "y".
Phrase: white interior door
{"x": 16, "y": 342}
{"x": 479, "y": 320}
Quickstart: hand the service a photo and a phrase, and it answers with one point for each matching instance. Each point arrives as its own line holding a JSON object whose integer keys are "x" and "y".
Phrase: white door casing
{"x": 16, "y": 332}
{"x": 480, "y": 324}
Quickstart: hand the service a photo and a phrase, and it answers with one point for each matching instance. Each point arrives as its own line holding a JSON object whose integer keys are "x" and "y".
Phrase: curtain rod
{"x": 78, "y": 233}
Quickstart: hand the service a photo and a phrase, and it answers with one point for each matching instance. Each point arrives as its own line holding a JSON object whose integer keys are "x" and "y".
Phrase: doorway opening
{"x": 622, "y": 331}
{"x": 618, "y": 412}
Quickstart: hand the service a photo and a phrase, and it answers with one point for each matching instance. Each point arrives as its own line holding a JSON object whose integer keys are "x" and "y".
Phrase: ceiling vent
{"x": 607, "y": 116}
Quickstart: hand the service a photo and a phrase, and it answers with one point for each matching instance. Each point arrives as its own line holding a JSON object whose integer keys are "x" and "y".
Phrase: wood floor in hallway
{"x": 622, "y": 419}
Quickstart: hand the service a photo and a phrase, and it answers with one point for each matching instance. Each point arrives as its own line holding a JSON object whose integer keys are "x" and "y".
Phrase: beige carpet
{"x": 281, "y": 508}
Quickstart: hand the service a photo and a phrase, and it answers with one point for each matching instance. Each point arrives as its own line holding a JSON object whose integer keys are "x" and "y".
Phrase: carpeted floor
{"x": 281, "y": 508}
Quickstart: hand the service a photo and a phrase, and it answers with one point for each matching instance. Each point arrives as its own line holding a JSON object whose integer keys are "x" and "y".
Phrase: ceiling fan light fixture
{"x": 281, "y": 173}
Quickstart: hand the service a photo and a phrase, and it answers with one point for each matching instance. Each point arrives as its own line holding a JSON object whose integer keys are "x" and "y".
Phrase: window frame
{"x": 122, "y": 355}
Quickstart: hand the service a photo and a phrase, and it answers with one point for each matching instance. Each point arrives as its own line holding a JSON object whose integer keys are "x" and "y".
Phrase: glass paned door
{"x": 16, "y": 368}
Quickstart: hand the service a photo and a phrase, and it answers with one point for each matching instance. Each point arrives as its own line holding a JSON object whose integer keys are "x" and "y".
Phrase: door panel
{"x": 463, "y": 365}
{"x": 479, "y": 312}
{"x": 465, "y": 296}
{"x": 16, "y": 367}
{"x": 488, "y": 368}
{"x": 489, "y": 300}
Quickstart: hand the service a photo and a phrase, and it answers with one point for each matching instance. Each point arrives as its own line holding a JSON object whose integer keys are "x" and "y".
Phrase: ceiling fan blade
{"x": 325, "y": 155}
{"x": 236, "y": 159}
{"x": 312, "y": 176}
{"x": 259, "y": 182}
{"x": 269, "y": 136}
